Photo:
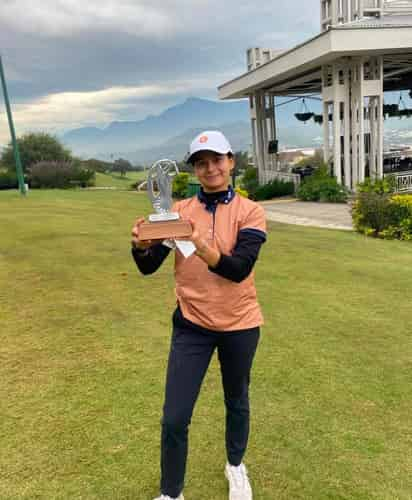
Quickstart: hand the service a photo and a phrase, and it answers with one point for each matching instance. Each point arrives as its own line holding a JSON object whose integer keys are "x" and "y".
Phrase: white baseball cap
{"x": 209, "y": 140}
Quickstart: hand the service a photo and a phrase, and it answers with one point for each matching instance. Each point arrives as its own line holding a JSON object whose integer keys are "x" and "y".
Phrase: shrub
{"x": 250, "y": 182}
{"x": 8, "y": 180}
{"x": 274, "y": 189}
{"x": 403, "y": 231}
{"x": 180, "y": 184}
{"x": 332, "y": 192}
{"x": 320, "y": 186}
{"x": 383, "y": 215}
{"x": 55, "y": 174}
{"x": 241, "y": 192}
{"x": 401, "y": 226}
{"x": 380, "y": 186}
{"x": 403, "y": 200}
{"x": 371, "y": 213}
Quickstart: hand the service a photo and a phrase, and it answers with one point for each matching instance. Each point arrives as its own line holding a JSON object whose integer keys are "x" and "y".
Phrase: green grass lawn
{"x": 116, "y": 180}
{"x": 84, "y": 345}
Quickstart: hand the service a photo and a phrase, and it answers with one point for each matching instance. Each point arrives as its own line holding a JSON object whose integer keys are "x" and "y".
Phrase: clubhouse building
{"x": 364, "y": 49}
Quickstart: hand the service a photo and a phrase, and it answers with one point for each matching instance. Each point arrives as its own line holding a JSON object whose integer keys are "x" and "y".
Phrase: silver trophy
{"x": 159, "y": 188}
{"x": 164, "y": 224}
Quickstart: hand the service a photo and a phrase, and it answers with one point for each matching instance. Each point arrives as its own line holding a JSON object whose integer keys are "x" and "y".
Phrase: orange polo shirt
{"x": 206, "y": 298}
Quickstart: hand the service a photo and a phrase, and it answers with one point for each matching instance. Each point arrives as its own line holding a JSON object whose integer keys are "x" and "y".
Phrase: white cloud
{"x": 159, "y": 19}
{"x": 144, "y": 18}
{"x": 143, "y": 54}
{"x": 74, "y": 109}
{"x": 63, "y": 17}
{"x": 67, "y": 110}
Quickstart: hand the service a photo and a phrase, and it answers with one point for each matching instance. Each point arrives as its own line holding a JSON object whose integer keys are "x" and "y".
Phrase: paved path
{"x": 306, "y": 213}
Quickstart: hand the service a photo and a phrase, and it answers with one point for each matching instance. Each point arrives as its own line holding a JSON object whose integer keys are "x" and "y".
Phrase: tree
{"x": 35, "y": 147}
{"x": 183, "y": 166}
{"x": 181, "y": 184}
{"x": 122, "y": 166}
{"x": 241, "y": 164}
{"x": 97, "y": 165}
{"x": 250, "y": 181}
{"x": 242, "y": 160}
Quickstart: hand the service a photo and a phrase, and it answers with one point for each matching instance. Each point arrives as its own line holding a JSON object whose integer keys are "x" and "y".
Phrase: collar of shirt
{"x": 211, "y": 200}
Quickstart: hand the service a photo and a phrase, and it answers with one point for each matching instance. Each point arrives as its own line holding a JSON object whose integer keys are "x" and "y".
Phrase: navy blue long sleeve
{"x": 237, "y": 266}
{"x": 150, "y": 261}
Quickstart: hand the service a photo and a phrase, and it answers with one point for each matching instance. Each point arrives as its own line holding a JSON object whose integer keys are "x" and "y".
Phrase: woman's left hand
{"x": 196, "y": 237}
{"x": 207, "y": 253}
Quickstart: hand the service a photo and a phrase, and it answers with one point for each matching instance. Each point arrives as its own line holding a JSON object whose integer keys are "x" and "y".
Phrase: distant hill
{"x": 176, "y": 148}
{"x": 155, "y": 130}
{"x": 238, "y": 134}
{"x": 169, "y": 133}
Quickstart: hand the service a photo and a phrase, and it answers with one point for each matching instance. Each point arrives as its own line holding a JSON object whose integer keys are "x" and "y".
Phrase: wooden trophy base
{"x": 164, "y": 230}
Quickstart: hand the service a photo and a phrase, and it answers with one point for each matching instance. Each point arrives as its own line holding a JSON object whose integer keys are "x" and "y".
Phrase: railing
{"x": 386, "y": 7}
{"x": 270, "y": 175}
{"x": 397, "y": 7}
{"x": 403, "y": 182}
{"x": 372, "y": 5}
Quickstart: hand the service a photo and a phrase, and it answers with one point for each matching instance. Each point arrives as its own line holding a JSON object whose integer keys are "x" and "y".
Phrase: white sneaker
{"x": 166, "y": 497}
{"x": 239, "y": 486}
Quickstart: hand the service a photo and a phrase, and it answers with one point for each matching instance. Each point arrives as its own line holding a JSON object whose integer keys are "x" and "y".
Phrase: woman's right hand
{"x": 136, "y": 242}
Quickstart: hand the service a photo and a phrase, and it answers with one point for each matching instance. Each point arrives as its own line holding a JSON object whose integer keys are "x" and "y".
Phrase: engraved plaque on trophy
{"x": 163, "y": 224}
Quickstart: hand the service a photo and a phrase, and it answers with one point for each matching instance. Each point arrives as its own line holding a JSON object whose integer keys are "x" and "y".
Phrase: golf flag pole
{"x": 19, "y": 169}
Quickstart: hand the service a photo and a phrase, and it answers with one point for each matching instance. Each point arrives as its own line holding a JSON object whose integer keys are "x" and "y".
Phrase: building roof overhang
{"x": 298, "y": 70}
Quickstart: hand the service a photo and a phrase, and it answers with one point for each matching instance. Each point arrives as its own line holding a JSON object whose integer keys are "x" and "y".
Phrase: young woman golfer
{"x": 216, "y": 308}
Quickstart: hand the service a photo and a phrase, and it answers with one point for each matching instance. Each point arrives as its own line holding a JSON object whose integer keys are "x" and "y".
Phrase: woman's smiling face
{"x": 213, "y": 170}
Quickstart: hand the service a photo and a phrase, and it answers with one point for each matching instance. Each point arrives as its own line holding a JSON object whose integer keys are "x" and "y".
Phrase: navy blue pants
{"x": 191, "y": 350}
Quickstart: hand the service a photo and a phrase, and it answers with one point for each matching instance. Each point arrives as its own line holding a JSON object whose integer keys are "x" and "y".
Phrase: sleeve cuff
{"x": 140, "y": 252}
{"x": 255, "y": 232}
{"x": 219, "y": 265}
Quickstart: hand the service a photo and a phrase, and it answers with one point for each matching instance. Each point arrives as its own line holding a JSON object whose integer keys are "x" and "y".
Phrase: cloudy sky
{"x": 72, "y": 63}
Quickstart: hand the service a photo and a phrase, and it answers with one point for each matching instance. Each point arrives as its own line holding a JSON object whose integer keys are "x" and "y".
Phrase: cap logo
{"x": 203, "y": 139}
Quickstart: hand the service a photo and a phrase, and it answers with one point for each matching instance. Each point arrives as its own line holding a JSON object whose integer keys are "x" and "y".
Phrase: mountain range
{"x": 127, "y": 137}
{"x": 169, "y": 133}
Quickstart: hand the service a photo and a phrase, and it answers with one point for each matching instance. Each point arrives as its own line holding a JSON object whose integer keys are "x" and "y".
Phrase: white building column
{"x": 361, "y": 118}
{"x": 334, "y": 95}
{"x": 357, "y": 122}
{"x": 373, "y": 126}
{"x": 336, "y": 127}
{"x": 326, "y": 142}
{"x": 263, "y": 123}
{"x": 380, "y": 120}
{"x": 271, "y": 117}
{"x": 347, "y": 160}
{"x": 274, "y": 136}
{"x": 260, "y": 135}
{"x": 366, "y": 84}
{"x": 253, "y": 126}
